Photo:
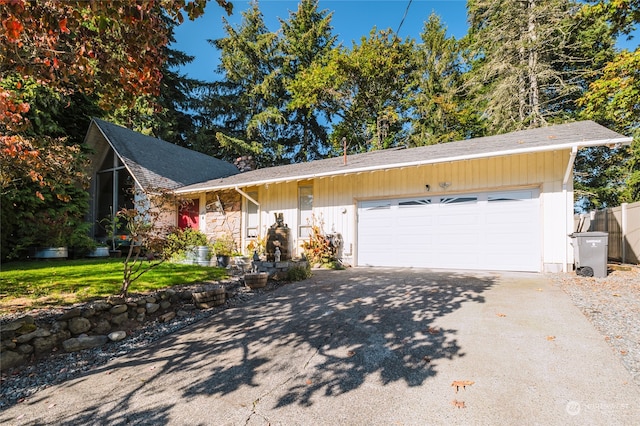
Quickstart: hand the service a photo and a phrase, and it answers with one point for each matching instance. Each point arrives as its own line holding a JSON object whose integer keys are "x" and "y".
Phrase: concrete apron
{"x": 364, "y": 347}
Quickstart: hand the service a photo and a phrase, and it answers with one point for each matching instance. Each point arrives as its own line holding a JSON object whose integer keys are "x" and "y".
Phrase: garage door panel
{"x": 458, "y": 220}
{"x": 492, "y": 231}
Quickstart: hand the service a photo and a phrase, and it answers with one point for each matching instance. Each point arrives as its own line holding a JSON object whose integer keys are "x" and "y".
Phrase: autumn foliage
{"x": 109, "y": 49}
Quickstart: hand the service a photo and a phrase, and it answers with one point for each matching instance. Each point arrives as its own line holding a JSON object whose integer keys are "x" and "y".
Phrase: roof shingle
{"x": 156, "y": 163}
{"x": 564, "y": 136}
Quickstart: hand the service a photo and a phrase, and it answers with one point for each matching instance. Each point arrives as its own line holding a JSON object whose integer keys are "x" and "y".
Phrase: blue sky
{"x": 352, "y": 19}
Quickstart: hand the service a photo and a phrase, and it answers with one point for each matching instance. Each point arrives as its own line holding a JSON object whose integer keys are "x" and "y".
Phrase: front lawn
{"x": 28, "y": 285}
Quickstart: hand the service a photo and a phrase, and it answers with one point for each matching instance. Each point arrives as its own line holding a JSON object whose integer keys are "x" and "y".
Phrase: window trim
{"x": 304, "y": 226}
{"x": 254, "y": 195}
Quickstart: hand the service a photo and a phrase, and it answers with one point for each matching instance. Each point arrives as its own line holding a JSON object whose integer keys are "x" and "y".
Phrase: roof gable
{"x": 564, "y": 136}
{"x": 155, "y": 163}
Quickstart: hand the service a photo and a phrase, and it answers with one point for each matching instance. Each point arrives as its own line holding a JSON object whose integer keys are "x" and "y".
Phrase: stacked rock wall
{"x": 96, "y": 323}
{"x": 278, "y": 270}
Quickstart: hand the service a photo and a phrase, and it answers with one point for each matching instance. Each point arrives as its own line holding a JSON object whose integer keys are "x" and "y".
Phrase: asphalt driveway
{"x": 364, "y": 347}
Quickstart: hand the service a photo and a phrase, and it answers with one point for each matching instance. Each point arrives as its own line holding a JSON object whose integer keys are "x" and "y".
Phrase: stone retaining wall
{"x": 96, "y": 323}
{"x": 278, "y": 270}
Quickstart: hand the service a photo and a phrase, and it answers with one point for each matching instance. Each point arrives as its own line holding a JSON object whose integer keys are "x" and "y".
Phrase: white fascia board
{"x": 569, "y": 146}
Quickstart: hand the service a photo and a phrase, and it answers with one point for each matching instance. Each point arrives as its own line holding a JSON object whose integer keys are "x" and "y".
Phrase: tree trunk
{"x": 534, "y": 89}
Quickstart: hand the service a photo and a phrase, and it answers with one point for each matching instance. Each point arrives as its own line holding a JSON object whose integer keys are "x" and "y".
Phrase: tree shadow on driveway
{"x": 317, "y": 338}
{"x": 345, "y": 326}
{"x": 377, "y": 322}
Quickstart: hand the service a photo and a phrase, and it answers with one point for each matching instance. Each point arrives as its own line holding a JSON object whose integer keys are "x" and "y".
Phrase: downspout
{"x": 624, "y": 228}
{"x": 565, "y": 182}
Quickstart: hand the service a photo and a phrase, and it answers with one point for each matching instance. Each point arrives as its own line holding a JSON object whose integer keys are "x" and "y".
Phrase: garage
{"x": 481, "y": 231}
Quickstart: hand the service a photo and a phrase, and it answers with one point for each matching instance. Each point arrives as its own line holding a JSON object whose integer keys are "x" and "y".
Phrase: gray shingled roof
{"x": 564, "y": 136}
{"x": 155, "y": 163}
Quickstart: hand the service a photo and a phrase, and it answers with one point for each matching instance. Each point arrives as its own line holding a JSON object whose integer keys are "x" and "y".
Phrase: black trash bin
{"x": 590, "y": 253}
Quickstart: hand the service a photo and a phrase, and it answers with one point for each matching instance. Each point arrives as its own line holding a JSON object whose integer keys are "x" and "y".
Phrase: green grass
{"x": 35, "y": 284}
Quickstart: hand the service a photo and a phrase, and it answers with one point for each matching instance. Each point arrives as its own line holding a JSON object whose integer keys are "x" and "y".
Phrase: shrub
{"x": 224, "y": 245}
{"x": 257, "y": 245}
{"x": 319, "y": 249}
{"x": 299, "y": 273}
{"x": 181, "y": 240}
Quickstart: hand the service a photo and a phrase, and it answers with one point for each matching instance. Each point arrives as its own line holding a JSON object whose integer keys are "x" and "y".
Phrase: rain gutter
{"x": 337, "y": 172}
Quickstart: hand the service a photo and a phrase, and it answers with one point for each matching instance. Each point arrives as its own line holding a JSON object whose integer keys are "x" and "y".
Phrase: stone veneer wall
{"x": 97, "y": 323}
{"x": 278, "y": 270}
{"x": 229, "y": 222}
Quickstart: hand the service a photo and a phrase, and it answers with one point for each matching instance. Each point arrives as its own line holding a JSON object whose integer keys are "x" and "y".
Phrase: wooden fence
{"x": 623, "y": 225}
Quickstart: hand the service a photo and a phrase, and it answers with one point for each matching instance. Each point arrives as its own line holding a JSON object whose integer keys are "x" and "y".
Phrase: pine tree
{"x": 530, "y": 60}
{"x": 306, "y": 39}
{"x": 171, "y": 114}
{"x": 244, "y": 109}
{"x": 439, "y": 109}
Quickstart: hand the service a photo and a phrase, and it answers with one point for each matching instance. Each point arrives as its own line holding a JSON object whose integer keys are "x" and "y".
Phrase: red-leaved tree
{"x": 111, "y": 50}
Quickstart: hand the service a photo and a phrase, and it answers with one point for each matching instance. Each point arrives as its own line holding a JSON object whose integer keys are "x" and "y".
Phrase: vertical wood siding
{"x": 338, "y": 194}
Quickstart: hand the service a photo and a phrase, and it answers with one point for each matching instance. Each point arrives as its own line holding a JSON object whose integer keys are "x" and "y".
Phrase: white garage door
{"x": 486, "y": 231}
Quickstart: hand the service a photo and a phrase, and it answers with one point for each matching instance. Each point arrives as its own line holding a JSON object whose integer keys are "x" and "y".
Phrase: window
{"x": 414, "y": 203}
{"x": 253, "y": 216}
{"x": 511, "y": 196}
{"x": 458, "y": 200}
{"x": 114, "y": 191}
{"x": 305, "y": 211}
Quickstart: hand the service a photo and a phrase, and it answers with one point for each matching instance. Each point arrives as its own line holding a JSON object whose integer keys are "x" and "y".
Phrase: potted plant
{"x": 111, "y": 226}
{"x": 224, "y": 246}
{"x": 100, "y": 250}
{"x": 53, "y": 235}
{"x": 257, "y": 248}
{"x": 189, "y": 246}
{"x": 197, "y": 246}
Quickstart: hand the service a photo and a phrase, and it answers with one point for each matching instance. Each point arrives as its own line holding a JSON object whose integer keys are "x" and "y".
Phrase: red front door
{"x": 189, "y": 215}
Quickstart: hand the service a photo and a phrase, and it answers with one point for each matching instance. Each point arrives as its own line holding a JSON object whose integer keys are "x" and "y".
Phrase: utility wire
{"x": 403, "y": 17}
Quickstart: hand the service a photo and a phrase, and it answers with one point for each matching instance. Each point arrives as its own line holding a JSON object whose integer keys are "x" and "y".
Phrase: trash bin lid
{"x": 589, "y": 234}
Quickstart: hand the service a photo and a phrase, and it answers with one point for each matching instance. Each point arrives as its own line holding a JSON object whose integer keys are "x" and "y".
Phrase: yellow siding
{"x": 336, "y": 198}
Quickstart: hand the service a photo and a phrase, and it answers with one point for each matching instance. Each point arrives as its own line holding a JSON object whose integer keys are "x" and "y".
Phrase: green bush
{"x": 299, "y": 273}
{"x": 181, "y": 240}
{"x": 224, "y": 245}
{"x": 334, "y": 264}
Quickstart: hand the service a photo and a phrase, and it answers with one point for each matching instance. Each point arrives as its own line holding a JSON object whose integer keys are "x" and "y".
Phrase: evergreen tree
{"x": 63, "y": 62}
{"x": 244, "y": 109}
{"x": 362, "y": 91}
{"x": 531, "y": 60}
{"x": 440, "y": 113}
{"x": 608, "y": 177}
{"x": 169, "y": 115}
{"x": 306, "y": 39}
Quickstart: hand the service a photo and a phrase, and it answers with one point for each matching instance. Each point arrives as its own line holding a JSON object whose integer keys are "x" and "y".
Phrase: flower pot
{"x": 202, "y": 255}
{"x": 210, "y": 298}
{"x": 52, "y": 253}
{"x": 198, "y": 255}
{"x": 99, "y": 252}
{"x": 223, "y": 260}
{"x": 256, "y": 280}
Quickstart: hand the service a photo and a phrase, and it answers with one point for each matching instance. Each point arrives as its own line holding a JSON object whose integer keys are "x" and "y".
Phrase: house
{"x": 501, "y": 202}
{"x": 123, "y": 160}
